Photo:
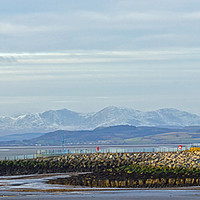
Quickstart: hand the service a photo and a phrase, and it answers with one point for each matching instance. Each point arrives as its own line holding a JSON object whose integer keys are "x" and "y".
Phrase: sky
{"x": 86, "y": 55}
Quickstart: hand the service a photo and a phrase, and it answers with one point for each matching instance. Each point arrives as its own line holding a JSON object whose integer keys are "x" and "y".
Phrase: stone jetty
{"x": 168, "y": 169}
{"x": 113, "y": 160}
{"x": 99, "y": 161}
{"x": 153, "y": 169}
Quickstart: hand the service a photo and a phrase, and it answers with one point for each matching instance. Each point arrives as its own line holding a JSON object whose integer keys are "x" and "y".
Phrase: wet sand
{"x": 113, "y": 195}
{"x": 35, "y": 187}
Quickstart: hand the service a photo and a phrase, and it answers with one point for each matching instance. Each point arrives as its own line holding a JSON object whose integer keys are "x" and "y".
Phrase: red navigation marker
{"x": 180, "y": 147}
{"x": 97, "y": 149}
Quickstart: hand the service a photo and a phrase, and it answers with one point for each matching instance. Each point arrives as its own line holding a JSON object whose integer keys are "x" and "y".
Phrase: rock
{"x": 188, "y": 181}
{"x": 171, "y": 181}
{"x": 140, "y": 183}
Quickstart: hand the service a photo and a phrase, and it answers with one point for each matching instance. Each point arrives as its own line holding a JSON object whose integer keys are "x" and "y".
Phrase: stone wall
{"x": 99, "y": 162}
{"x": 170, "y": 159}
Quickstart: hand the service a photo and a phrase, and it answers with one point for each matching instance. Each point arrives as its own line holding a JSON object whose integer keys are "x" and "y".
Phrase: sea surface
{"x": 13, "y": 151}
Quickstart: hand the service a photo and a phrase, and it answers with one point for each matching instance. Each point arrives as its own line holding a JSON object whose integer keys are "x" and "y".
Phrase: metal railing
{"x": 19, "y": 157}
{"x": 58, "y": 152}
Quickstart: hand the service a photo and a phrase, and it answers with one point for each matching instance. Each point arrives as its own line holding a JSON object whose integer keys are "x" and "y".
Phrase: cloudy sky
{"x": 87, "y": 54}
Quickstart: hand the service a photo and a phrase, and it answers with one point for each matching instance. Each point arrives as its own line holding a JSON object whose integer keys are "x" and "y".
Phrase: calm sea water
{"x": 21, "y": 150}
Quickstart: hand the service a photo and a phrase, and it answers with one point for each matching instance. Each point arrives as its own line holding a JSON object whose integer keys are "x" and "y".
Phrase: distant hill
{"x": 110, "y": 116}
{"x": 122, "y": 134}
{"x": 20, "y": 137}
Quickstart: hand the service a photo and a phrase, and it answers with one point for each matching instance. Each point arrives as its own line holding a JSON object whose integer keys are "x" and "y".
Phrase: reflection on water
{"x": 30, "y": 182}
{"x": 4, "y": 149}
{"x": 10, "y": 184}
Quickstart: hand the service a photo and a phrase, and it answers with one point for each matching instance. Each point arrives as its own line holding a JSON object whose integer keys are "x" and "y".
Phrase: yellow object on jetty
{"x": 194, "y": 148}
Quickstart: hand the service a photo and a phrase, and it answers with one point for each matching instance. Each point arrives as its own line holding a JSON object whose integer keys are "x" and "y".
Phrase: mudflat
{"x": 113, "y": 195}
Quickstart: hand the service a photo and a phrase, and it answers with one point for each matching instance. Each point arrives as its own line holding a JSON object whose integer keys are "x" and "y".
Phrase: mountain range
{"x": 65, "y": 119}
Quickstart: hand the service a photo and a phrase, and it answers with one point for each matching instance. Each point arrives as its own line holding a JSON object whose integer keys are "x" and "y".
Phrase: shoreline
{"x": 119, "y": 178}
{"x": 112, "y": 170}
{"x": 76, "y": 188}
{"x": 111, "y": 194}
{"x": 99, "y": 161}
{"x": 103, "y": 190}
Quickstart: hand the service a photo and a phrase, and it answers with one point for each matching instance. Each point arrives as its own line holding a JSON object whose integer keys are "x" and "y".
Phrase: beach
{"x": 35, "y": 187}
{"x": 105, "y": 195}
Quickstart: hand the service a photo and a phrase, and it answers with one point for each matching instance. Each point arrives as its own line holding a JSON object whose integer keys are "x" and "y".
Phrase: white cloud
{"x": 87, "y": 19}
{"x": 192, "y": 16}
{"x": 103, "y": 49}
{"x": 99, "y": 56}
{"x": 13, "y": 28}
{"x": 103, "y": 30}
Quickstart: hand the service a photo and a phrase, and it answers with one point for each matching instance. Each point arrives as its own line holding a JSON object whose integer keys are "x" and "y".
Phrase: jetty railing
{"x": 109, "y": 150}
{"x": 19, "y": 157}
{"x": 59, "y": 152}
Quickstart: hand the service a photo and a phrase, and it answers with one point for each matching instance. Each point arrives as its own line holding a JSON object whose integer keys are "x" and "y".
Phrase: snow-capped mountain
{"x": 68, "y": 120}
{"x": 112, "y": 115}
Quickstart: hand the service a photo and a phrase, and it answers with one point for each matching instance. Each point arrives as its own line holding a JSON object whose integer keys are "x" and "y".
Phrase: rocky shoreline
{"x": 121, "y": 179}
{"x": 154, "y": 169}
